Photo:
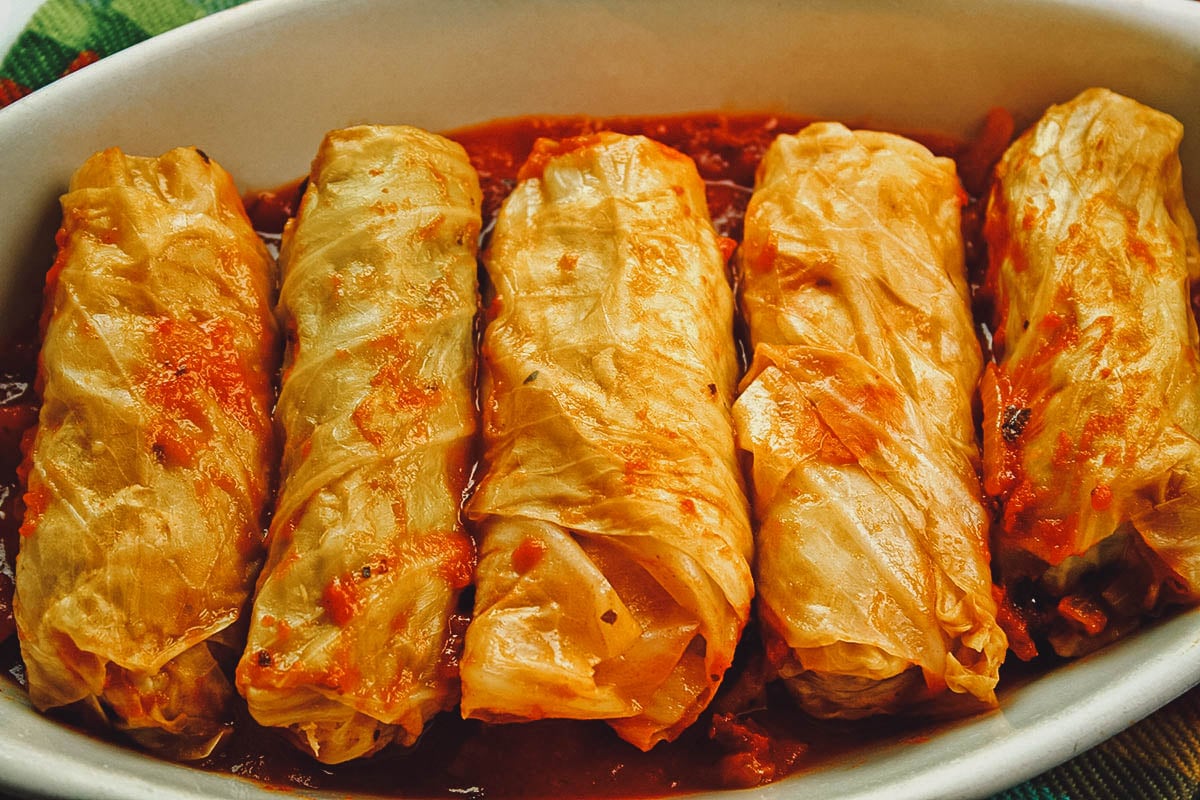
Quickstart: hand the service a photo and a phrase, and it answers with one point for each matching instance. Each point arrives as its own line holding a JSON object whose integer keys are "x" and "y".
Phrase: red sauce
{"x": 458, "y": 564}
{"x": 751, "y": 734}
{"x": 1101, "y": 497}
{"x": 272, "y": 208}
{"x": 565, "y": 759}
{"x": 527, "y": 555}
{"x": 341, "y": 599}
{"x": 195, "y": 365}
{"x": 18, "y": 413}
{"x": 725, "y": 147}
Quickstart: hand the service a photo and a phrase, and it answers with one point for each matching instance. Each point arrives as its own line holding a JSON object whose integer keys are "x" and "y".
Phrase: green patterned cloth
{"x": 1156, "y": 759}
{"x": 64, "y": 35}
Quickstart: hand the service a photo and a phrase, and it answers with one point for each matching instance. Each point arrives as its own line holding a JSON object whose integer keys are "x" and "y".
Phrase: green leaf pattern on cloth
{"x": 65, "y": 35}
{"x": 1156, "y": 759}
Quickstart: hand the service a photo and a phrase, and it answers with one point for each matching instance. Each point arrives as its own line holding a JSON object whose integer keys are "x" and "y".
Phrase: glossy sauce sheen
{"x": 750, "y": 735}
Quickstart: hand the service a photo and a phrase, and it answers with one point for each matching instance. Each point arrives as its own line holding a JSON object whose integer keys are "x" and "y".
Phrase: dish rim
{"x": 1158, "y": 678}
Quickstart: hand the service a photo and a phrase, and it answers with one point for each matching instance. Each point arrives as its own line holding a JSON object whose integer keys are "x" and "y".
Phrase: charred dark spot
{"x": 609, "y": 617}
{"x": 264, "y": 658}
{"x": 1026, "y": 595}
{"x": 1013, "y": 423}
{"x": 712, "y": 390}
{"x": 203, "y": 155}
{"x": 531, "y": 377}
{"x": 366, "y": 571}
{"x": 160, "y": 452}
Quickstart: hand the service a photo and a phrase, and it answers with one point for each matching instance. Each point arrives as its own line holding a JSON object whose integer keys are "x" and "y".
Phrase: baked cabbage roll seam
{"x": 352, "y": 642}
{"x": 853, "y": 260}
{"x": 147, "y": 476}
{"x": 589, "y": 464}
{"x": 1091, "y": 408}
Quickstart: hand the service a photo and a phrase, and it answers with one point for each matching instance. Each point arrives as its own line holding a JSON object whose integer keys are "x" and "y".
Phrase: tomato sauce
{"x": 752, "y": 733}
{"x": 762, "y": 742}
{"x": 18, "y": 414}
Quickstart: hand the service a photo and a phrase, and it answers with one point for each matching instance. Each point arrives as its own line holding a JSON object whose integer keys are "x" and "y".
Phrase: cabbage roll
{"x": 1092, "y": 409}
{"x": 874, "y": 588}
{"x": 613, "y": 580}
{"x": 148, "y": 475}
{"x": 350, "y": 643}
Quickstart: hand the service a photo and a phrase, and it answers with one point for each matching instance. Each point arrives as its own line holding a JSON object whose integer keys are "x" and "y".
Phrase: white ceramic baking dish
{"x": 257, "y": 86}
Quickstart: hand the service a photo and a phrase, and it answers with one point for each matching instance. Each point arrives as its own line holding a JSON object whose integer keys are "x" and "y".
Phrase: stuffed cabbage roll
{"x": 153, "y": 456}
{"x": 350, "y": 642}
{"x": 872, "y": 573}
{"x": 1092, "y": 410}
{"x": 613, "y": 580}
